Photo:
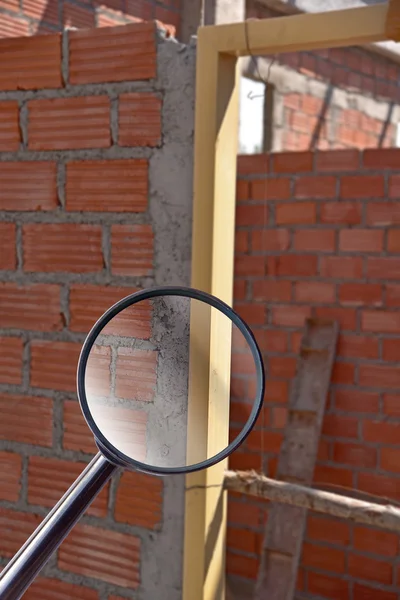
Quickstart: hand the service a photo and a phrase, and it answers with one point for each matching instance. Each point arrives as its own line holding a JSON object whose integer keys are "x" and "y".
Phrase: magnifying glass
{"x": 134, "y": 383}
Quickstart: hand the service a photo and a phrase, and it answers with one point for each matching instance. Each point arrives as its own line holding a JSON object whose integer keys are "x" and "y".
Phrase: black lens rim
{"x": 112, "y": 453}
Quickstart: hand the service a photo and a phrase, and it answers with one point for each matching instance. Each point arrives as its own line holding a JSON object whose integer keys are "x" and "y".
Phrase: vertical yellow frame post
{"x": 215, "y": 155}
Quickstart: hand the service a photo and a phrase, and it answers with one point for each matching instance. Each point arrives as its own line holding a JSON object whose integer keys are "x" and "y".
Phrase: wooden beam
{"x": 302, "y": 32}
{"x": 215, "y": 155}
{"x": 335, "y": 505}
{"x": 283, "y": 539}
{"x": 392, "y": 25}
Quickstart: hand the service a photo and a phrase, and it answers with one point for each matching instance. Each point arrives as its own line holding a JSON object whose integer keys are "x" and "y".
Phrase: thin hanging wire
{"x": 252, "y": 96}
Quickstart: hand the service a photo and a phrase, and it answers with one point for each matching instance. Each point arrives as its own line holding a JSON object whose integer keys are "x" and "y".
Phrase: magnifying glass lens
{"x": 148, "y": 361}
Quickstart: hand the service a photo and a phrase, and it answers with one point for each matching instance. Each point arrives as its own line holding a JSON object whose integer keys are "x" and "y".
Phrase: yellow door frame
{"x": 215, "y": 153}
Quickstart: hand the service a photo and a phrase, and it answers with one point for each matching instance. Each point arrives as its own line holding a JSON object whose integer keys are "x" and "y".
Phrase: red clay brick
{"x": 245, "y": 461}
{"x": 313, "y": 240}
{"x": 51, "y": 247}
{"x": 392, "y": 295}
{"x": 354, "y": 454}
{"x": 11, "y": 360}
{"x": 8, "y": 257}
{"x": 321, "y": 557}
{"x": 132, "y": 250}
{"x": 360, "y": 294}
{"x": 11, "y": 468}
{"x": 363, "y": 567}
{"x": 353, "y": 400}
{"x": 300, "y": 265}
{"x": 362, "y": 186}
{"x": 243, "y": 566}
{"x": 339, "y": 267}
{"x": 380, "y": 321}
{"x": 340, "y": 426}
{"x": 62, "y": 474}
{"x": 292, "y": 162}
{"x": 139, "y": 120}
{"x": 379, "y": 376}
{"x": 10, "y": 136}
{"x": 391, "y": 405}
{"x": 380, "y": 485}
{"x": 272, "y": 290}
{"x": 87, "y": 550}
{"x": 282, "y": 367}
{"x": 363, "y": 592}
{"x": 253, "y": 164}
{"x": 325, "y": 529}
{"x": 89, "y": 302}
{"x": 376, "y": 541}
{"x": 139, "y": 500}
{"x": 315, "y": 292}
{"x": 26, "y": 419}
{"x": 253, "y": 314}
{"x": 242, "y": 190}
{"x": 394, "y": 186}
{"x": 54, "y": 589}
{"x": 381, "y": 432}
{"x": 390, "y": 459}
{"x": 15, "y": 528}
{"x": 35, "y": 307}
{"x": 77, "y": 435}
{"x": 300, "y": 213}
{"x": 346, "y": 317}
{"x": 249, "y": 265}
{"x": 53, "y": 364}
{"x": 340, "y": 476}
{"x": 31, "y": 63}
{"x": 328, "y": 587}
{"x": 241, "y": 241}
{"x": 383, "y": 213}
{"x": 243, "y": 513}
{"x": 391, "y": 349}
{"x": 69, "y": 123}
{"x": 267, "y": 240}
{"x": 320, "y": 186}
{"x": 107, "y": 185}
{"x": 361, "y": 240}
{"x": 270, "y": 189}
{"x": 381, "y": 158}
{"x": 113, "y": 54}
{"x": 11, "y": 26}
{"x": 393, "y": 243}
{"x": 243, "y": 540}
{"x": 337, "y": 160}
{"x": 38, "y": 8}
{"x": 78, "y": 16}
{"x": 28, "y": 186}
{"x": 341, "y": 213}
{"x": 251, "y": 214}
{"x": 136, "y": 374}
{"x": 290, "y": 316}
{"x": 383, "y": 268}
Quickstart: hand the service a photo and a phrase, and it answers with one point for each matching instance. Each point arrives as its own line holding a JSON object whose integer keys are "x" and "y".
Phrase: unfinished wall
{"x": 95, "y": 130}
{"x": 330, "y": 99}
{"x": 31, "y": 17}
{"x": 330, "y": 248}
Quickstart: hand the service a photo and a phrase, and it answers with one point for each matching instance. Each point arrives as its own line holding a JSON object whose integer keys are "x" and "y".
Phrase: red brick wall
{"x": 48, "y": 16}
{"x": 330, "y": 248}
{"x": 76, "y": 235}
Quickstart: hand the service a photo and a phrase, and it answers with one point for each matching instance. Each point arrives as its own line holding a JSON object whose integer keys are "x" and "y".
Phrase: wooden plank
{"x": 284, "y": 532}
{"x": 376, "y": 514}
{"x": 295, "y": 33}
{"x": 215, "y": 151}
{"x": 392, "y": 26}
